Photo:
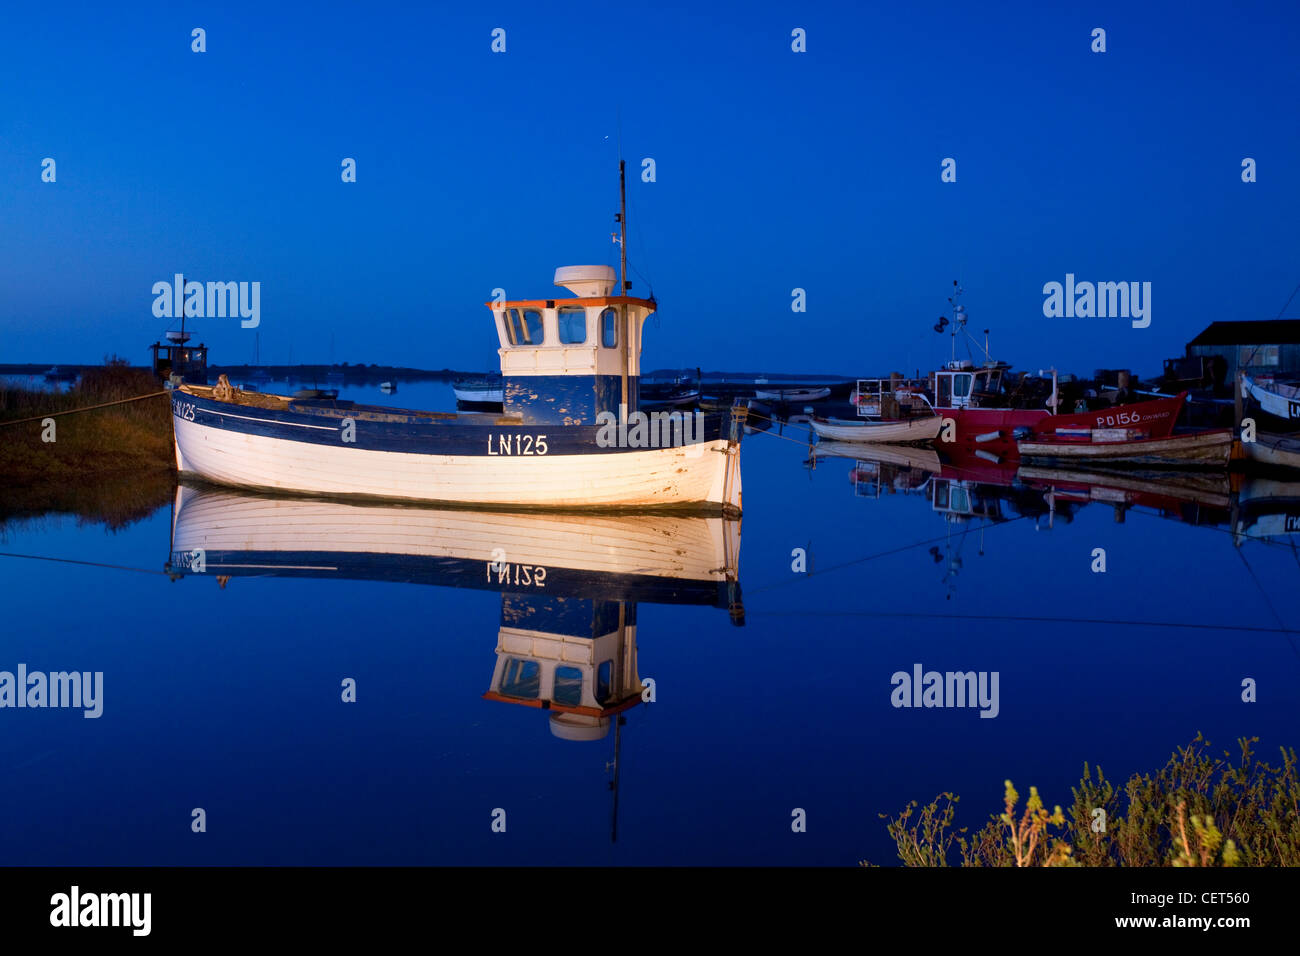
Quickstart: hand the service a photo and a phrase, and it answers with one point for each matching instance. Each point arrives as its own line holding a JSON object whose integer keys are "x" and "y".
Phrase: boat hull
{"x": 1204, "y": 449}
{"x": 1279, "y": 399}
{"x": 479, "y": 460}
{"x": 480, "y": 396}
{"x": 1279, "y": 451}
{"x": 791, "y": 394}
{"x": 993, "y": 429}
{"x": 899, "y": 432}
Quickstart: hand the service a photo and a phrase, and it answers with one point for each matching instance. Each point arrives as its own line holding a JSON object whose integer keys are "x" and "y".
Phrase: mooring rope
{"x": 88, "y": 408}
{"x": 1026, "y": 618}
{"x": 92, "y": 564}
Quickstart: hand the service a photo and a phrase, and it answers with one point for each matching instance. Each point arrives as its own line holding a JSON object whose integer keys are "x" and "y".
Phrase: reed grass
{"x": 1197, "y": 810}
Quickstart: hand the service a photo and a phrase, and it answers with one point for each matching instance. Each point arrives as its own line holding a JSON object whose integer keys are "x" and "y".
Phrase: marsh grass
{"x": 1197, "y": 810}
{"x": 111, "y": 465}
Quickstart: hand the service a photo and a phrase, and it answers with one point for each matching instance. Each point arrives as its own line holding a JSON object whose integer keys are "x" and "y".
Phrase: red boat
{"x": 986, "y": 419}
{"x": 961, "y": 392}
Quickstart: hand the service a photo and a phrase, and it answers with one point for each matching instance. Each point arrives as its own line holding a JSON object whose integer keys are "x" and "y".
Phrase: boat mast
{"x": 622, "y": 229}
{"x": 622, "y": 277}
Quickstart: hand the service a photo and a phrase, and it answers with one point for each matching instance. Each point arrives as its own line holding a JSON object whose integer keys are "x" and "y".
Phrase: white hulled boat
{"x": 570, "y": 434}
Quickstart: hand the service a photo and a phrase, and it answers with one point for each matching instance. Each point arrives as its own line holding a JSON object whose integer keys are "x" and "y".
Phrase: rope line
{"x": 88, "y": 408}
{"x": 1033, "y": 619}
{"x": 92, "y": 564}
{"x": 869, "y": 557}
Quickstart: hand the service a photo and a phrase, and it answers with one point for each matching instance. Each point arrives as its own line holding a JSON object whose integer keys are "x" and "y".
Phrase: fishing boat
{"x": 59, "y": 374}
{"x": 570, "y": 435}
{"x": 791, "y": 395}
{"x": 479, "y": 391}
{"x": 178, "y": 361}
{"x": 1276, "y": 395}
{"x": 991, "y": 412}
{"x": 669, "y": 394}
{"x": 1125, "y": 447}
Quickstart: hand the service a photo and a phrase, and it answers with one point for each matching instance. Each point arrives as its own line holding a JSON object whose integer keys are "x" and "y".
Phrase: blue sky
{"x": 775, "y": 170}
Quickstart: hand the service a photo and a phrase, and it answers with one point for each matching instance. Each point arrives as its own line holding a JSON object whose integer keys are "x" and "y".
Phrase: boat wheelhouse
{"x": 177, "y": 361}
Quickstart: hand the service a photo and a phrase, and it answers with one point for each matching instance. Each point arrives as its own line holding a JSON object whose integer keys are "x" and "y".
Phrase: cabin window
{"x": 524, "y": 328}
{"x": 573, "y": 325}
{"x": 943, "y": 391}
{"x": 521, "y": 679}
{"x": 961, "y": 385}
{"x": 609, "y": 328}
{"x": 568, "y": 686}
{"x": 1259, "y": 355}
{"x": 604, "y": 679}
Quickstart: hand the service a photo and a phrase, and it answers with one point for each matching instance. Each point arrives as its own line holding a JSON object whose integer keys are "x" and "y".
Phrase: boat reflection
{"x": 973, "y": 492}
{"x": 608, "y": 557}
{"x": 569, "y": 583}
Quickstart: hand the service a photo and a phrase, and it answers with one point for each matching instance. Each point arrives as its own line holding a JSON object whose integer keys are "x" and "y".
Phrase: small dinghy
{"x": 889, "y": 412}
{"x": 482, "y": 391}
{"x": 791, "y": 395}
{"x": 905, "y": 431}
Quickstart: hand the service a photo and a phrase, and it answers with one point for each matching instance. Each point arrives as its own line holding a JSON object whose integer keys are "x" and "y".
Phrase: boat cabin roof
{"x": 586, "y": 301}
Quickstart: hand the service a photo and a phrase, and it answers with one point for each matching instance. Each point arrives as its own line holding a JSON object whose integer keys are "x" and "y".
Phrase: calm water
{"x": 228, "y": 698}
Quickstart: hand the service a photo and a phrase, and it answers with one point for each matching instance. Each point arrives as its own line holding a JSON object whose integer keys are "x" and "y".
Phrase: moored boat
{"x": 888, "y": 411}
{"x": 1278, "y": 451}
{"x": 669, "y": 394}
{"x": 1276, "y": 395}
{"x": 1111, "y": 447}
{"x": 791, "y": 395}
{"x": 570, "y": 434}
{"x": 484, "y": 391}
{"x": 901, "y": 431}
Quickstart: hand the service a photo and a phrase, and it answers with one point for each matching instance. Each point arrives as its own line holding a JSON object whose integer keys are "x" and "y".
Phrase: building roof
{"x": 1267, "y": 332}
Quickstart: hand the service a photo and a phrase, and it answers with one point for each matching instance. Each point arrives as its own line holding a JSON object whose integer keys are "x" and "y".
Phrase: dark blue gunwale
{"x": 400, "y": 430}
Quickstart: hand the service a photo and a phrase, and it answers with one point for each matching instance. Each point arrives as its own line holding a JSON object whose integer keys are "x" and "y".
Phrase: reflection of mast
{"x": 613, "y": 784}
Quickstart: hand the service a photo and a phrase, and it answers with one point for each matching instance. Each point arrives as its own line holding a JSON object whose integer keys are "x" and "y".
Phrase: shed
{"x": 1266, "y": 345}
